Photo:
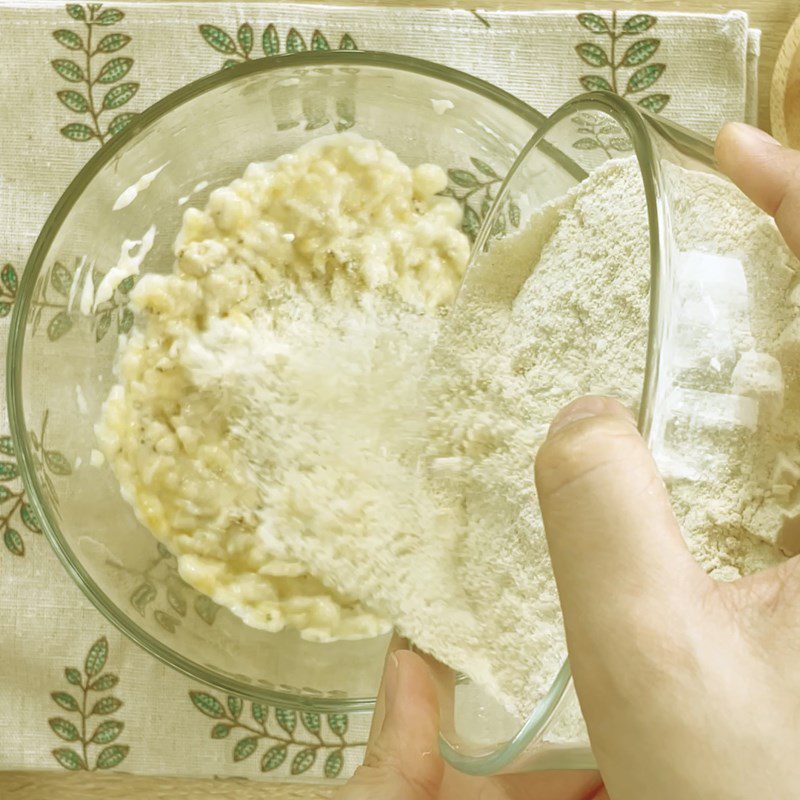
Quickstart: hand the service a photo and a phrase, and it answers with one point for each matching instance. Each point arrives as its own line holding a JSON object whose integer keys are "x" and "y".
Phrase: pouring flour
{"x": 377, "y": 440}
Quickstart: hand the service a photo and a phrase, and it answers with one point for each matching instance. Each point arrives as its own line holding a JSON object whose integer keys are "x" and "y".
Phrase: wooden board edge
{"x": 780, "y": 78}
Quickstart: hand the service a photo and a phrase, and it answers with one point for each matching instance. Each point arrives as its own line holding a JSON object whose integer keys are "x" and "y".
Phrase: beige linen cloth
{"x": 138, "y": 715}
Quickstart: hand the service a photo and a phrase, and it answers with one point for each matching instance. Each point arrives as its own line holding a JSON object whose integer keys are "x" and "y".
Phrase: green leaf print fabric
{"x": 75, "y": 694}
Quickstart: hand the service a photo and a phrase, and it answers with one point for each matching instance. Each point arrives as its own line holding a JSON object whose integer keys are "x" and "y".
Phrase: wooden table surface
{"x": 774, "y": 18}
{"x": 115, "y": 786}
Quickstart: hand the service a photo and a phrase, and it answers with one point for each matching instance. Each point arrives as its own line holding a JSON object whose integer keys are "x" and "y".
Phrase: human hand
{"x": 403, "y": 761}
{"x": 766, "y": 172}
{"x": 689, "y": 687}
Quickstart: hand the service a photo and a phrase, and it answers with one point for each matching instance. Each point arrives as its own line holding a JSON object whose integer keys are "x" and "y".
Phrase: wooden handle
{"x": 785, "y": 93}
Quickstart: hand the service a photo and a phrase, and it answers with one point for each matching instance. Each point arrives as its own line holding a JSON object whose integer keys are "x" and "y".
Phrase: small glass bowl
{"x": 478, "y": 736}
{"x": 60, "y": 361}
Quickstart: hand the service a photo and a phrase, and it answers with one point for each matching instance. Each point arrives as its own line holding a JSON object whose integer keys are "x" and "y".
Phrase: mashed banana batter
{"x": 339, "y": 222}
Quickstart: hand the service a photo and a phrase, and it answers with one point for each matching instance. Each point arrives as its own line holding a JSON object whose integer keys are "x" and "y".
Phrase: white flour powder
{"x": 394, "y": 448}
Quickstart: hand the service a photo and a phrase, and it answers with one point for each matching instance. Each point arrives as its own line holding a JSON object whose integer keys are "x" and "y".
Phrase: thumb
{"x": 402, "y": 760}
{"x": 766, "y": 172}
{"x": 617, "y": 552}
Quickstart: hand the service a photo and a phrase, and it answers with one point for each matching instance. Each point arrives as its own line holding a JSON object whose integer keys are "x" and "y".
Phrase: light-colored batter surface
{"x": 341, "y": 220}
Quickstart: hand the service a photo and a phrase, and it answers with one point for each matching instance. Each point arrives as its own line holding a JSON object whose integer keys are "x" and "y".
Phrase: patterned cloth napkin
{"x": 74, "y": 693}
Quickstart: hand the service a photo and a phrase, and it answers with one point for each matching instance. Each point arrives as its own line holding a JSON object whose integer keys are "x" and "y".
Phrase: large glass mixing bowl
{"x": 504, "y": 161}
{"x": 60, "y": 360}
{"x": 697, "y": 298}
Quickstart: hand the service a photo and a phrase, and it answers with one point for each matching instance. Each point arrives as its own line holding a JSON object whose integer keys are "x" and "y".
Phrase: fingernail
{"x": 391, "y": 680}
{"x": 754, "y": 134}
{"x": 562, "y": 421}
{"x": 577, "y": 410}
{"x": 586, "y": 407}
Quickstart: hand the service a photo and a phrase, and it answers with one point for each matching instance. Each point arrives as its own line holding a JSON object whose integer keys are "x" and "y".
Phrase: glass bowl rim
{"x": 35, "y": 265}
{"x": 640, "y": 127}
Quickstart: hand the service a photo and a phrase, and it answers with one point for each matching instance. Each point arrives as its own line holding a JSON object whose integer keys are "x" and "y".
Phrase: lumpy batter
{"x": 340, "y": 221}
